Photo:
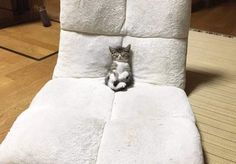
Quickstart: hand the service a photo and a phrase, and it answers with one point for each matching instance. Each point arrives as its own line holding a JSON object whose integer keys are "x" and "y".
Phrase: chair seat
{"x": 151, "y": 141}
{"x": 81, "y": 121}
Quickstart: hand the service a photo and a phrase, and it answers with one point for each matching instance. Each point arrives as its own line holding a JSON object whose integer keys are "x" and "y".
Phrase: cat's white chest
{"x": 121, "y": 66}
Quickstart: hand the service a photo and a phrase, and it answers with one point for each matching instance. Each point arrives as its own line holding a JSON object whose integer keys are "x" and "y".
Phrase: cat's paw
{"x": 124, "y": 75}
{"x": 113, "y": 78}
{"x": 121, "y": 85}
{"x": 110, "y": 85}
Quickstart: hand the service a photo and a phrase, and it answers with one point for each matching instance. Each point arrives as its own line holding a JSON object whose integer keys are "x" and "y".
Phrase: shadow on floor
{"x": 195, "y": 78}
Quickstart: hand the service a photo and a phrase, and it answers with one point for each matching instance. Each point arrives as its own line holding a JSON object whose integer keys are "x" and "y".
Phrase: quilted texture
{"x": 155, "y": 60}
{"x": 151, "y": 124}
{"x": 146, "y": 18}
{"x": 156, "y": 30}
{"x": 157, "y": 18}
{"x": 76, "y": 119}
{"x": 63, "y": 125}
{"x": 82, "y": 55}
{"x": 154, "y": 102}
{"x": 82, "y": 121}
{"x": 93, "y": 16}
{"x": 158, "y": 60}
{"x": 174, "y": 140}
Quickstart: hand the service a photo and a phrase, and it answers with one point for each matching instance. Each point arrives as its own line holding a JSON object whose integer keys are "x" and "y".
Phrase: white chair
{"x": 76, "y": 119}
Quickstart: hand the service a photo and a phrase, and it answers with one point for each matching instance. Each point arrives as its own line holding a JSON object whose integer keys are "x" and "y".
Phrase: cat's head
{"x": 121, "y": 54}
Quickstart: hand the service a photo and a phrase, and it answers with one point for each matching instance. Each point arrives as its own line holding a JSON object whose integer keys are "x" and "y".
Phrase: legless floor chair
{"x": 76, "y": 119}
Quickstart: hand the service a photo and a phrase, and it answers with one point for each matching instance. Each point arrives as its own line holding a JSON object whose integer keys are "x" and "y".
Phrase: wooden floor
{"x": 31, "y": 39}
{"x": 53, "y": 9}
{"x": 20, "y": 79}
{"x": 211, "y": 87}
{"x": 220, "y": 18}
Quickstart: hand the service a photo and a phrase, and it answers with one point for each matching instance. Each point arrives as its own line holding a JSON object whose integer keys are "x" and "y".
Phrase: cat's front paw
{"x": 113, "y": 77}
{"x": 121, "y": 85}
{"x": 124, "y": 75}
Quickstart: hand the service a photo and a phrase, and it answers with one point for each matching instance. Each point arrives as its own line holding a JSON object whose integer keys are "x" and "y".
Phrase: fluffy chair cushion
{"x": 147, "y": 18}
{"x": 63, "y": 125}
{"x": 82, "y": 55}
{"x": 157, "y": 31}
{"x": 157, "y": 18}
{"x": 147, "y": 101}
{"x": 93, "y": 16}
{"x": 154, "y": 60}
{"x": 151, "y": 124}
{"x": 158, "y": 60}
{"x": 81, "y": 121}
{"x": 139, "y": 141}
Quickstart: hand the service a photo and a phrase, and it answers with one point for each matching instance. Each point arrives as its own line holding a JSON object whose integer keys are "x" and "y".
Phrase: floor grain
{"x": 31, "y": 39}
{"x": 211, "y": 86}
{"x": 20, "y": 79}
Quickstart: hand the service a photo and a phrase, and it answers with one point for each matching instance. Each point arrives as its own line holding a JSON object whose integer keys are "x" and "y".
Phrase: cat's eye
{"x": 125, "y": 55}
{"x": 114, "y": 55}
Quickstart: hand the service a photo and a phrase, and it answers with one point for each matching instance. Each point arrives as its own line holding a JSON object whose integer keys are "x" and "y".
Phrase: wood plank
{"x": 224, "y": 118}
{"x": 10, "y": 61}
{"x": 220, "y": 152}
{"x": 20, "y": 80}
{"x": 227, "y": 135}
{"x": 215, "y": 123}
{"x": 212, "y": 86}
{"x": 213, "y": 159}
{"x": 212, "y": 103}
{"x": 24, "y": 40}
{"x": 218, "y": 141}
{"x": 214, "y": 109}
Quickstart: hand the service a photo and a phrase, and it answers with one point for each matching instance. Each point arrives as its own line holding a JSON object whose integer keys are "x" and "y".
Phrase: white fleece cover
{"x": 143, "y": 18}
{"x": 93, "y": 16}
{"x": 150, "y": 141}
{"x": 159, "y": 61}
{"x": 151, "y": 124}
{"x": 157, "y": 18}
{"x": 154, "y": 60}
{"x": 147, "y": 101}
{"x": 63, "y": 125}
{"x": 158, "y": 36}
{"x": 82, "y": 55}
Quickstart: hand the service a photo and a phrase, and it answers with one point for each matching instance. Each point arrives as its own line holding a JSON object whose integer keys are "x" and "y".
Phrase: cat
{"x": 120, "y": 75}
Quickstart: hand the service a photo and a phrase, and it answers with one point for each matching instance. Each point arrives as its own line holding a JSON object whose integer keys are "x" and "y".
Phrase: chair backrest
{"x": 156, "y": 29}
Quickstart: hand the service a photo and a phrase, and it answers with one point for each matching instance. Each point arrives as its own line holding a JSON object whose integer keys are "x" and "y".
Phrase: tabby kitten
{"x": 119, "y": 76}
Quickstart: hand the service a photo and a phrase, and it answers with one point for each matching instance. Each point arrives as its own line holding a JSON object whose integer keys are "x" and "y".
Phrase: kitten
{"x": 119, "y": 76}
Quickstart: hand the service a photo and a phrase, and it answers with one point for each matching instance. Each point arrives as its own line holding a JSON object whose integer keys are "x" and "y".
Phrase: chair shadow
{"x": 196, "y": 78}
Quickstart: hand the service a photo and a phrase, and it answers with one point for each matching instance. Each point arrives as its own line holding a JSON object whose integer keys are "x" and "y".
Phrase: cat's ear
{"x": 112, "y": 50}
{"x": 127, "y": 49}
